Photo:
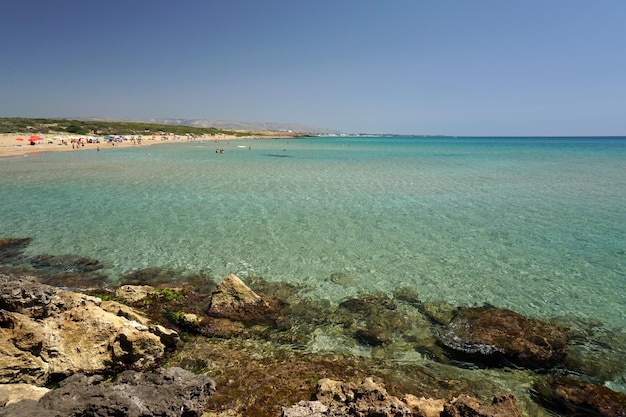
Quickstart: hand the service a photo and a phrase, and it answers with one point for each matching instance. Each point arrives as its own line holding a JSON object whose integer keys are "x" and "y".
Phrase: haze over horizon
{"x": 436, "y": 68}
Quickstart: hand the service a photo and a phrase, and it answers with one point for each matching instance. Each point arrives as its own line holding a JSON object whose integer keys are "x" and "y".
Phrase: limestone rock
{"x": 90, "y": 339}
{"x": 172, "y": 392}
{"x": 21, "y": 342}
{"x": 14, "y": 393}
{"x": 26, "y": 296}
{"x": 234, "y": 300}
{"x": 424, "y": 407}
{"x": 125, "y": 311}
{"x": 30, "y": 408}
{"x": 465, "y": 406}
{"x": 498, "y": 336}
{"x": 134, "y": 293}
{"x": 305, "y": 409}
{"x": 330, "y": 391}
{"x": 365, "y": 398}
{"x": 47, "y": 332}
{"x": 168, "y": 337}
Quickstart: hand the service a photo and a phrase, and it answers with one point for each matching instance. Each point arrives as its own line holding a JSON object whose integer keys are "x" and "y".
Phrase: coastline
{"x": 12, "y": 146}
{"x": 171, "y": 331}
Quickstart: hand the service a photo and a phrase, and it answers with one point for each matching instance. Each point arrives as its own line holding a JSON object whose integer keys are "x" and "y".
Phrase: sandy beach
{"x": 20, "y": 144}
{"x": 15, "y": 144}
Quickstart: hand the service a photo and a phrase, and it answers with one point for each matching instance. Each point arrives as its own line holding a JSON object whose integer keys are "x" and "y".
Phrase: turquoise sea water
{"x": 537, "y": 225}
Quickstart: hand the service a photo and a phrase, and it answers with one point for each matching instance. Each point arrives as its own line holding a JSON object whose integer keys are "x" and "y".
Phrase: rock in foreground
{"x": 233, "y": 299}
{"x": 46, "y": 332}
{"x": 368, "y": 398}
{"x": 171, "y": 392}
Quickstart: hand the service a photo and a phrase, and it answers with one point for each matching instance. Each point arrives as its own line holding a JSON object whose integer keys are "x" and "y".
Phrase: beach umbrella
{"x": 19, "y": 139}
{"x": 34, "y": 138}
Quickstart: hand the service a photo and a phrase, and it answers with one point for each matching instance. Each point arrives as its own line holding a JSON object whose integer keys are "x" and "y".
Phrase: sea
{"x": 532, "y": 224}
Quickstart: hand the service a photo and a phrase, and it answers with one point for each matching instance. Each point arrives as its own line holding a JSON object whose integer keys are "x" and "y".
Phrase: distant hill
{"x": 102, "y": 127}
{"x": 235, "y": 125}
{"x": 106, "y": 125}
{"x": 225, "y": 125}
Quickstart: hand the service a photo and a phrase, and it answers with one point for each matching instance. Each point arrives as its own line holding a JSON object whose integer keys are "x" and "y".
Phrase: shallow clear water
{"x": 533, "y": 224}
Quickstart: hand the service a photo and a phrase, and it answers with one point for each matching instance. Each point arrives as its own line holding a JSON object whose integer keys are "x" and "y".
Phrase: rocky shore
{"x": 237, "y": 349}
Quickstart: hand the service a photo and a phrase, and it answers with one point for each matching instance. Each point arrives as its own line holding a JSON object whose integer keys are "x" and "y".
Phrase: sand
{"x": 10, "y": 146}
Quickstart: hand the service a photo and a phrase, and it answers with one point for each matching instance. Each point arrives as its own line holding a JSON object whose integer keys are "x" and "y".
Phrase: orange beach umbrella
{"x": 19, "y": 138}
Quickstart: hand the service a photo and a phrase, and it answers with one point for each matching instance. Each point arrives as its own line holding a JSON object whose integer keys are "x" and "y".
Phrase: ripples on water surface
{"x": 536, "y": 225}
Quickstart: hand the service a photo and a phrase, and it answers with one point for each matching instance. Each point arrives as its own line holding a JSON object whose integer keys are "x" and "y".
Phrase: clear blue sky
{"x": 457, "y": 67}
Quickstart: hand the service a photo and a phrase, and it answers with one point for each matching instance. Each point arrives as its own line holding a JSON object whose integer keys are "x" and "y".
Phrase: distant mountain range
{"x": 228, "y": 125}
{"x": 234, "y": 125}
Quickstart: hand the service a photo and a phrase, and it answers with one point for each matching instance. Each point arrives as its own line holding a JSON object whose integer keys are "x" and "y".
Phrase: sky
{"x": 436, "y": 67}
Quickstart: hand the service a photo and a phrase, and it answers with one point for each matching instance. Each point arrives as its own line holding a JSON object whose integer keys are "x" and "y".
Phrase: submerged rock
{"x": 68, "y": 271}
{"x": 167, "y": 277}
{"x": 374, "y": 336}
{"x": 46, "y": 332}
{"x": 11, "y": 249}
{"x": 580, "y": 398}
{"x": 369, "y": 305}
{"x": 595, "y": 350}
{"x": 407, "y": 295}
{"x": 171, "y": 392}
{"x": 373, "y": 319}
{"x": 72, "y": 280}
{"x": 465, "y": 406}
{"x": 498, "y": 337}
{"x": 389, "y": 325}
{"x": 66, "y": 263}
{"x": 438, "y": 312}
{"x": 341, "y": 278}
